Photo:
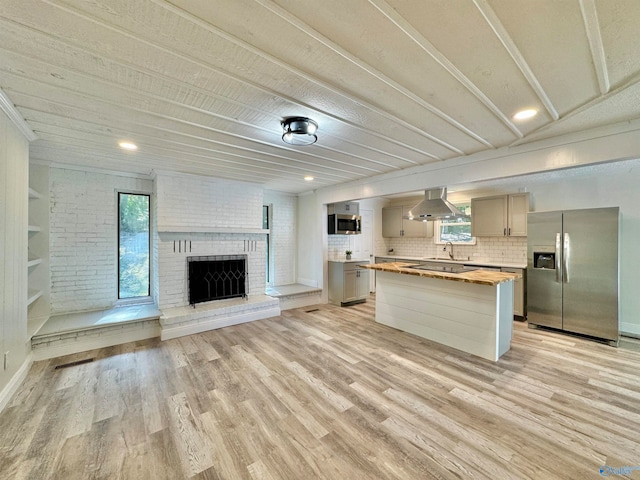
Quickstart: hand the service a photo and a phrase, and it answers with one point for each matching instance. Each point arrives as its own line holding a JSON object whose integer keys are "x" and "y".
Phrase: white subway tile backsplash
{"x": 490, "y": 249}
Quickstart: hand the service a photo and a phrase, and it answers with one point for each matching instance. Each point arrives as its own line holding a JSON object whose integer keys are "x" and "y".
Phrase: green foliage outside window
{"x": 133, "y": 245}
{"x": 456, "y": 230}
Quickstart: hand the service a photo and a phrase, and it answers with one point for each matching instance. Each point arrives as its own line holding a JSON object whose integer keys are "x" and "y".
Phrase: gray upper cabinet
{"x": 499, "y": 216}
{"x": 344, "y": 208}
{"x": 394, "y": 225}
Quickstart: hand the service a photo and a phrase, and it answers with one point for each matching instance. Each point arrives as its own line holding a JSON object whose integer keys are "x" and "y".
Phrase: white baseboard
{"x": 191, "y": 327}
{"x": 631, "y": 328}
{"x": 91, "y": 342}
{"x": 15, "y": 382}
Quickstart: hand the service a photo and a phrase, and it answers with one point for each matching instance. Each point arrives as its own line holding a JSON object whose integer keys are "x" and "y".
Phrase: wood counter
{"x": 480, "y": 277}
{"x": 470, "y": 311}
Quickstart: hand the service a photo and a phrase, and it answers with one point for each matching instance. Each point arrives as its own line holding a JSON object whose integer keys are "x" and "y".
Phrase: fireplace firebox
{"x": 216, "y": 277}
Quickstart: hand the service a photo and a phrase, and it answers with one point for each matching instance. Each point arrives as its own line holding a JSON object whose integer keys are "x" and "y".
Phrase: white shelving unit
{"x": 38, "y": 309}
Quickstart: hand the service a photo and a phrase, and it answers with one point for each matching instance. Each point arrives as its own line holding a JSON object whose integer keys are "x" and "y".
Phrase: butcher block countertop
{"x": 480, "y": 277}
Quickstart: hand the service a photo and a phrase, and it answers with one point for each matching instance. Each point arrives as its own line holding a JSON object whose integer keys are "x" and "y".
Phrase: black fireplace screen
{"x": 216, "y": 277}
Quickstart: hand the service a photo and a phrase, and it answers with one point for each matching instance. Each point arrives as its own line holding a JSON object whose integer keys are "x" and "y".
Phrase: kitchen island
{"x": 470, "y": 310}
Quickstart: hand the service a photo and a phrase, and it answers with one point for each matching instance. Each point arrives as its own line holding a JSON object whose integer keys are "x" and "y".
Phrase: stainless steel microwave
{"x": 340, "y": 224}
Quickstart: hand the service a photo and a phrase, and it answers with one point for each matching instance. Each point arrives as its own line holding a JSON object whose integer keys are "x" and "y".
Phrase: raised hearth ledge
{"x": 200, "y": 229}
{"x": 180, "y": 321}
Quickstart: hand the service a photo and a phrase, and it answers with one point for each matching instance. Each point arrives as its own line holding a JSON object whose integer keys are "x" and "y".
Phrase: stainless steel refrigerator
{"x": 572, "y": 271}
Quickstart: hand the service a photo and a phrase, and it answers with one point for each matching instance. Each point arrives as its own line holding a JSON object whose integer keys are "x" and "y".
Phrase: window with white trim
{"x": 455, "y": 230}
{"x": 133, "y": 245}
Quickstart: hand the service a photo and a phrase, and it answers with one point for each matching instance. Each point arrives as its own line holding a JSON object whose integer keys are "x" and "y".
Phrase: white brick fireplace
{"x": 199, "y": 216}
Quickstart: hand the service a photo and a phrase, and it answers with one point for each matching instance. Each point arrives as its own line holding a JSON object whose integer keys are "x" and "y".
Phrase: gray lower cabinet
{"x": 348, "y": 283}
{"x": 519, "y": 292}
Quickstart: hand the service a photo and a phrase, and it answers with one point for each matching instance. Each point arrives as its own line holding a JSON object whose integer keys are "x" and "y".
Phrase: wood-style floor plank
{"x": 326, "y": 393}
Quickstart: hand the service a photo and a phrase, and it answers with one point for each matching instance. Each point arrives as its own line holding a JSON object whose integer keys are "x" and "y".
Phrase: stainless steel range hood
{"x": 434, "y": 206}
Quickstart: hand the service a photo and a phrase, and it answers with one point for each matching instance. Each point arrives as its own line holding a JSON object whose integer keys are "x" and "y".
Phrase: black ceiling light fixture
{"x": 299, "y": 131}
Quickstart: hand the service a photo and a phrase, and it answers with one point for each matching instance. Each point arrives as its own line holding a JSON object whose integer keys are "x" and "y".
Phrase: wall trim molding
{"x": 12, "y": 387}
{"x": 8, "y": 107}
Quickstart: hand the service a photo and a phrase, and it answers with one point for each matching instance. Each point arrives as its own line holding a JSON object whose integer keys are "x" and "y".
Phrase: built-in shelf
{"x": 33, "y": 262}
{"x": 33, "y": 296}
{"x": 187, "y": 229}
{"x": 38, "y": 274}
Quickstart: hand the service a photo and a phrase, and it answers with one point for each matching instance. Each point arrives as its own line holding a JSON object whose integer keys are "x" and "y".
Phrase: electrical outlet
{"x": 6, "y": 360}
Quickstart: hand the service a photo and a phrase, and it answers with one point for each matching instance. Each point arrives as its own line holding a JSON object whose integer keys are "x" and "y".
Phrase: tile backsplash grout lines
{"x": 491, "y": 249}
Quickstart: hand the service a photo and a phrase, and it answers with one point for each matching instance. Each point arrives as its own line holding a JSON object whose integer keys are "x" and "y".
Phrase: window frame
{"x": 143, "y": 298}
{"x": 269, "y": 272}
{"x": 437, "y": 228}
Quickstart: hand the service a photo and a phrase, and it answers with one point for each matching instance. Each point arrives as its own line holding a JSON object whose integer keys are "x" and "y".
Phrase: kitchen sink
{"x": 444, "y": 268}
{"x": 439, "y": 259}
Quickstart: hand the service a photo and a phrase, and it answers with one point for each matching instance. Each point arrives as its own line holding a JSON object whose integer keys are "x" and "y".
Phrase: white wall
{"x": 14, "y": 185}
{"x": 83, "y": 237}
{"x": 312, "y": 241}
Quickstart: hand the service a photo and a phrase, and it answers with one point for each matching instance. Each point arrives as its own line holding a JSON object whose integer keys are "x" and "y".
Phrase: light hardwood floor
{"x": 326, "y": 394}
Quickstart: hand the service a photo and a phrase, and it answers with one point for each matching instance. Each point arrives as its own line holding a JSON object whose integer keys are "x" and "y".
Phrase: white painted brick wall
{"x": 83, "y": 236}
{"x": 172, "y": 266}
{"x": 283, "y": 236}
{"x": 194, "y": 201}
{"x": 189, "y": 201}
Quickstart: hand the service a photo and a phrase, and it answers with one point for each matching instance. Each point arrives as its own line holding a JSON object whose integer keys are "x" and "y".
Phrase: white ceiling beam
{"x": 312, "y": 79}
{"x": 10, "y": 110}
{"x": 592, "y": 27}
{"x": 235, "y": 78}
{"x": 95, "y": 79}
{"x": 416, "y": 37}
{"x": 158, "y": 98}
{"x": 585, "y": 107}
{"x": 506, "y": 40}
{"x": 318, "y": 37}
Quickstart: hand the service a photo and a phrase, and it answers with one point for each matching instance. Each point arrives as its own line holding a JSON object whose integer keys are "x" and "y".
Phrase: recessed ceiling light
{"x": 525, "y": 114}
{"x": 128, "y": 146}
{"x": 308, "y": 178}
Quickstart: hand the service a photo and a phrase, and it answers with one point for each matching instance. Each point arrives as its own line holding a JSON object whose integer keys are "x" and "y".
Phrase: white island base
{"x": 474, "y": 318}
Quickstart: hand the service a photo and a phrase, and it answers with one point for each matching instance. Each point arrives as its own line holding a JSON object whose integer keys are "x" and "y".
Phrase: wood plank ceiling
{"x": 201, "y": 86}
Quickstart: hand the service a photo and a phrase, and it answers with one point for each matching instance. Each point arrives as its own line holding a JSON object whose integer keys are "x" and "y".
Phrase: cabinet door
{"x": 350, "y": 286}
{"x": 518, "y": 209}
{"x": 518, "y": 291}
{"x": 391, "y": 222}
{"x": 489, "y": 216}
{"x": 412, "y": 228}
{"x": 362, "y": 287}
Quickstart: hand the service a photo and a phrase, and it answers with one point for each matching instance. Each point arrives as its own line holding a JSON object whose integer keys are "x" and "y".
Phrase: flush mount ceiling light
{"x": 128, "y": 146}
{"x": 299, "y": 131}
{"x": 308, "y": 178}
{"x": 525, "y": 114}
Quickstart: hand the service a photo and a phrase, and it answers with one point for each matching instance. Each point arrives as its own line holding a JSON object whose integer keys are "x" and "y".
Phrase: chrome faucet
{"x": 451, "y": 252}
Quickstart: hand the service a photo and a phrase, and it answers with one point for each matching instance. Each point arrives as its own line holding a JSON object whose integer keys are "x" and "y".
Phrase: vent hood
{"x": 434, "y": 206}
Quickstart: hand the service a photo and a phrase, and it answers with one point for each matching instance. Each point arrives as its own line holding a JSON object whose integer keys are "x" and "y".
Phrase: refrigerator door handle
{"x": 565, "y": 257}
{"x": 557, "y": 258}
